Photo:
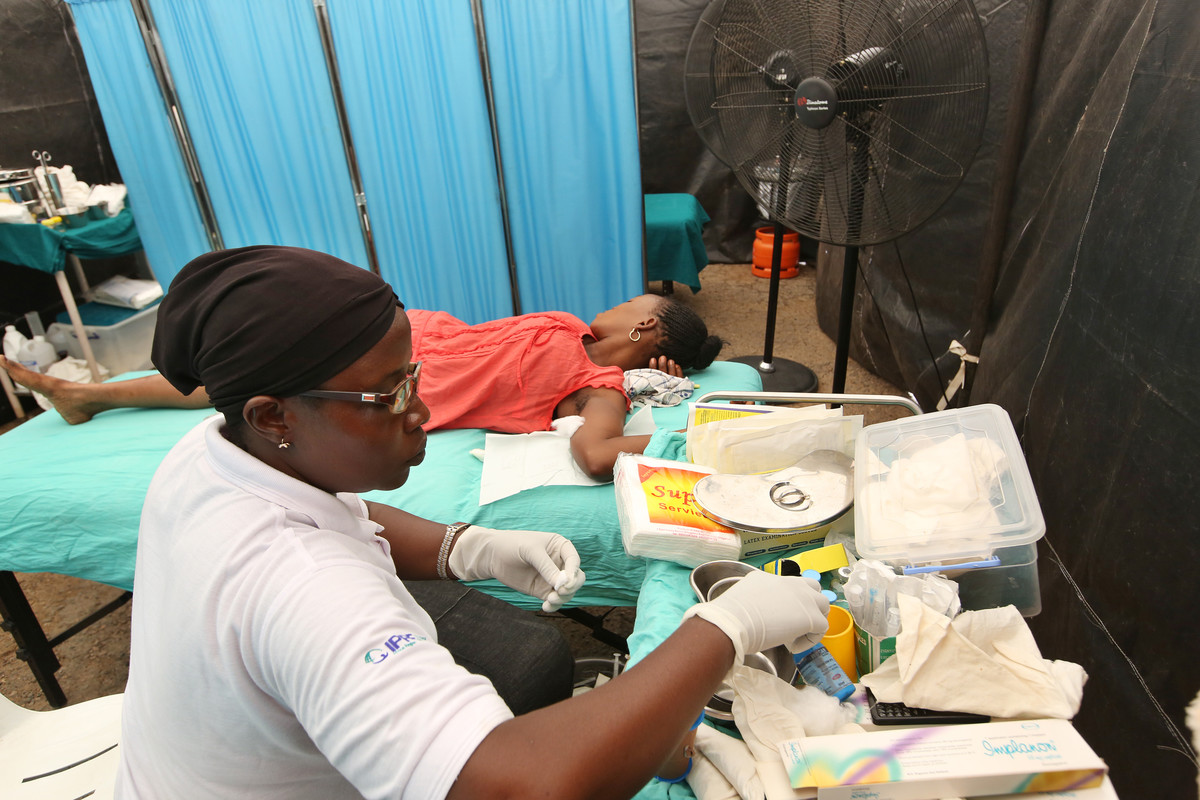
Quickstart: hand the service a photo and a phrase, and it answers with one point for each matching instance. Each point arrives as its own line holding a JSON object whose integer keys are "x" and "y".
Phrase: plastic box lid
{"x": 948, "y": 485}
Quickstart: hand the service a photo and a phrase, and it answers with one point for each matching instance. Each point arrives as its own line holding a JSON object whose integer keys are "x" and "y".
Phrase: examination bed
{"x": 73, "y": 496}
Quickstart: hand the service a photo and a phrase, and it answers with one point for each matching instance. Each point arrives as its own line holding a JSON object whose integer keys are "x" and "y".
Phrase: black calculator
{"x": 900, "y": 714}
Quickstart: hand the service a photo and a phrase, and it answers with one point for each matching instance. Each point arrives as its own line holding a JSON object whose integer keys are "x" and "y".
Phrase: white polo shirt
{"x": 275, "y": 654}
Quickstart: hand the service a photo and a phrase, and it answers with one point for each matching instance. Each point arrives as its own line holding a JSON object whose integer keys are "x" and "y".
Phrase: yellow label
{"x": 669, "y": 498}
{"x": 706, "y": 414}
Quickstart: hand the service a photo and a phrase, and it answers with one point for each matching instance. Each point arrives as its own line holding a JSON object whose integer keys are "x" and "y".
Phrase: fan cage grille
{"x": 910, "y": 78}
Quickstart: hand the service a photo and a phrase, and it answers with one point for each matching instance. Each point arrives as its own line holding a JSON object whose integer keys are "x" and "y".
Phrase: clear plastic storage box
{"x": 952, "y": 489}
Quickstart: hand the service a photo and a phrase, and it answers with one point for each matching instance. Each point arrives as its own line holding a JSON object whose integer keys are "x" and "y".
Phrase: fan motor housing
{"x": 816, "y": 102}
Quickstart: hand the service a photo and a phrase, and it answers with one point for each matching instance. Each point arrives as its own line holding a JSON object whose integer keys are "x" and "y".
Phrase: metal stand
{"x": 32, "y": 645}
{"x": 778, "y": 375}
{"x": 859, "y": 169}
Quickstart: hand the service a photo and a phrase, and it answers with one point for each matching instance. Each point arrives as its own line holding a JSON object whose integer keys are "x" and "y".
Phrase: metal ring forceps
{"x": 786, "y": 494}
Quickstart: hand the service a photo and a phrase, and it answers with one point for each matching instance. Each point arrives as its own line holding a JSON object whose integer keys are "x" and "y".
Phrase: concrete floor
{"x": 733, "y": 302}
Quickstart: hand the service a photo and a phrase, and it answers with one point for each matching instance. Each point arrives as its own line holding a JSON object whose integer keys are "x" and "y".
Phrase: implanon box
{"x": 992, "y": 758}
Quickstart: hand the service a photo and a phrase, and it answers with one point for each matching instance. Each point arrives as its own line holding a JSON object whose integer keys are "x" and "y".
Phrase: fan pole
{"x": 845, "y": 313}
{"x": 859, "y": 172}
{"x": 779, "y": 375}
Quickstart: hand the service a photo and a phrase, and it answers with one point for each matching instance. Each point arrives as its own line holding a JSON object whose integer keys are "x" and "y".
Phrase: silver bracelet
{"x": 447, "y": 543}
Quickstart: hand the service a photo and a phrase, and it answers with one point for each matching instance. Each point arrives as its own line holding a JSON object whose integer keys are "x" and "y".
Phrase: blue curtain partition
{"x": 251, "y": 78}
{"x": 565, "y": 106}
{"x": 415, "y": 98}
{"x": 160, "y": 193}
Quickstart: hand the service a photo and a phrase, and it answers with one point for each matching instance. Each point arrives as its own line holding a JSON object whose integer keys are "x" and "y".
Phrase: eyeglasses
{"x": 397, "y": 400}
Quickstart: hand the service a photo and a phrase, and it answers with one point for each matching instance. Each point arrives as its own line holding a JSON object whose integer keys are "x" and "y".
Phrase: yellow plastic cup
{"x": 839, "y": 640}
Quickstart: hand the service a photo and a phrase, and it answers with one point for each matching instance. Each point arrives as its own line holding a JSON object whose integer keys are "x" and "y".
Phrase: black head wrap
{"x": 267, "y": 320}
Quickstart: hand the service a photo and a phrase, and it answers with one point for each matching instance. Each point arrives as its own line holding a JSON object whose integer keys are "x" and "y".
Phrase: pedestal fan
{"x": 851, "y": 121}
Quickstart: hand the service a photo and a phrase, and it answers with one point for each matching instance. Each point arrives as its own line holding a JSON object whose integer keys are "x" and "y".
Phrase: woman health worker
{"x": 511, "y": 375}
{"x": 276, "y": 652}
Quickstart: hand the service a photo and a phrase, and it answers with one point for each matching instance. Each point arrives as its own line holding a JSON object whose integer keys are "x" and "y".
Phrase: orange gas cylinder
{"x": 764, "y": 244}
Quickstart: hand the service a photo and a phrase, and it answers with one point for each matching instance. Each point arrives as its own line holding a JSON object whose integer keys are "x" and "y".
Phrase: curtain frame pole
{"x": 183, "y": 137}
{"x": 486, "y": 72}
{"x": 637, "y": 124}
{"x": 321, "y": 8}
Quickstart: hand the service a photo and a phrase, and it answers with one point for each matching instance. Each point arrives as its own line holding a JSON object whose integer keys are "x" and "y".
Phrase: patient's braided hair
{"x": 684, "y": 337}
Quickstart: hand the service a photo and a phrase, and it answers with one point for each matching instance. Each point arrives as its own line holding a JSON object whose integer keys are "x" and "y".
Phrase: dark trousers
{"x": 526, "y": 658}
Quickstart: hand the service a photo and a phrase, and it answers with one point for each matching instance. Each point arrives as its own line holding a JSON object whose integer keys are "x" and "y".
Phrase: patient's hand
{"x": 667, "y": 365}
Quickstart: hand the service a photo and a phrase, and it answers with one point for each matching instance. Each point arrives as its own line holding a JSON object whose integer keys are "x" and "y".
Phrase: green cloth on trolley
{"x": 674, "y": 246}
{"x": 44, "y": 248}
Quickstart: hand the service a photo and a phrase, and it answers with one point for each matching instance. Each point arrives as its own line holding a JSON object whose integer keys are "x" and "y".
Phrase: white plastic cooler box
{"x": 951, "y": 491}
{"x": 120, "y": 337}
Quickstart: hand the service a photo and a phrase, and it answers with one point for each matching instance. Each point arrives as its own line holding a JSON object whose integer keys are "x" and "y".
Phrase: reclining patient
{"x": 512, "y": 375}
{"x": 277, "y": 651}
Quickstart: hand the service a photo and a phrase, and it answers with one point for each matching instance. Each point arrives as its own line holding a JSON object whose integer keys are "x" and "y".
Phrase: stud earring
{"x": 284, "y": 445}
{"x": 635, "y": 335}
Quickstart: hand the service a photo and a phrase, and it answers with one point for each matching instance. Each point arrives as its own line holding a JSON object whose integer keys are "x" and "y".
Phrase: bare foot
{"x": 68, "y": 398}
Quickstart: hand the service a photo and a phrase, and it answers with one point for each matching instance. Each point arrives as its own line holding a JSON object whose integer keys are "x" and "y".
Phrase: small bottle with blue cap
{"x": 817, "y": 667}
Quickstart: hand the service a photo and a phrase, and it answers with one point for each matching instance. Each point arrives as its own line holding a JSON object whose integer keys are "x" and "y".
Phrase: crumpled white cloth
{"x": 707, "y": 782}
{"x": 652, "y": 387}
{"x": 984, "y": 662}
{"x": 733, "y": 763}
{"x": 769, "y": 711}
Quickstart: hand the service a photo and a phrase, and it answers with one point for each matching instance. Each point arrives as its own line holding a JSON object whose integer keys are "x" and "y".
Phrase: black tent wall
{"x": 1091, "y": 333}
{"x": 1090, "y": 347}
{"x": 1092, "y": 350}
{"x": 46, "y": 99}
{"x": 1090, "y": 341}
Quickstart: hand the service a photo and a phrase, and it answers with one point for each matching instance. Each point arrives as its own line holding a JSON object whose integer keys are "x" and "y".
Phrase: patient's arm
{"x": 601, "y": 438}
{"x": 79, "y": 402}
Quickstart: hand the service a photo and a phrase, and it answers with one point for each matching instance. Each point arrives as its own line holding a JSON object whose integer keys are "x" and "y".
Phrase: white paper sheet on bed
{"x": 71, "y": 496}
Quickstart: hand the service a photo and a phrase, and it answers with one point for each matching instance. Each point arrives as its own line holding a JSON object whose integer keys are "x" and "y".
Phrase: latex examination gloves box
{"x": 991, "y": 758}
{"x": 951, "y": 490}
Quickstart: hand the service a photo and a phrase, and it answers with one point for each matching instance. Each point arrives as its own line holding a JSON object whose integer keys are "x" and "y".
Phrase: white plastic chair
{"x": 64, "y": 754}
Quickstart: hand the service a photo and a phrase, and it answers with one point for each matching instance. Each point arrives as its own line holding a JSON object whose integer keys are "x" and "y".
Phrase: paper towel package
{"x": 659, "y": 518}
{"x": 991, "y": 758}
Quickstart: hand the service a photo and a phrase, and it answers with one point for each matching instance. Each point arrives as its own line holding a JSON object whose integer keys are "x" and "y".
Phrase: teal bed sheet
{"x": 72, "y": 495}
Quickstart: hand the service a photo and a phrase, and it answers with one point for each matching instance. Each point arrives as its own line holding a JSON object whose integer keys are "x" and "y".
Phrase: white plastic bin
{"x": 120, "y": 338}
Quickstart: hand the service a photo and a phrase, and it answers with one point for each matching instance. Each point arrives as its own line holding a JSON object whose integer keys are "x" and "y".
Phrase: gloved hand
{"x": 762, "y": 610}
{"x": 539, "y": 564}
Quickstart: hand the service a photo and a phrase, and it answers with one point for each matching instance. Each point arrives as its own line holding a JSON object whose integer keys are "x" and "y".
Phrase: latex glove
{"x": 763, "y": 610}
{"x": 537, "y": 563}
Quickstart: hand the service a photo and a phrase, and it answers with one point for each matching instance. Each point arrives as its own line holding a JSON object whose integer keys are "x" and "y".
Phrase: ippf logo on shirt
{"x": 394, "y": 644}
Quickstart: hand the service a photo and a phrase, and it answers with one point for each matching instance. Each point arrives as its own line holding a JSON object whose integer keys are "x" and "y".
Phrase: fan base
{"x": 781, "y": 375}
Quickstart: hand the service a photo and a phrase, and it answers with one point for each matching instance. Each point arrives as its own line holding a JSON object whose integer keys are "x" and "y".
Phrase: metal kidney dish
{"x": 814, "y": 491}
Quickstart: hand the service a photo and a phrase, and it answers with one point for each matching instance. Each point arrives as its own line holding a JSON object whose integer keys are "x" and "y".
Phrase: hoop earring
{"x": 635, "y": 335}
{"x": 284, "y": 445}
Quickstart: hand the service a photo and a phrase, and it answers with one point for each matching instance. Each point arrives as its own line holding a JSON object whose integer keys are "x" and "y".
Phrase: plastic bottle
{"x": 817, "y": 665}
{"x": 820, "y": 669}
{"x": 37, "y": 354}
{"x": 14, "y": 340}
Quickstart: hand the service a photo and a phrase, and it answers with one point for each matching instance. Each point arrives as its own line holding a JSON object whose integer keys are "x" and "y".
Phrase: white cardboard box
{"x": 993, "y": 758}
